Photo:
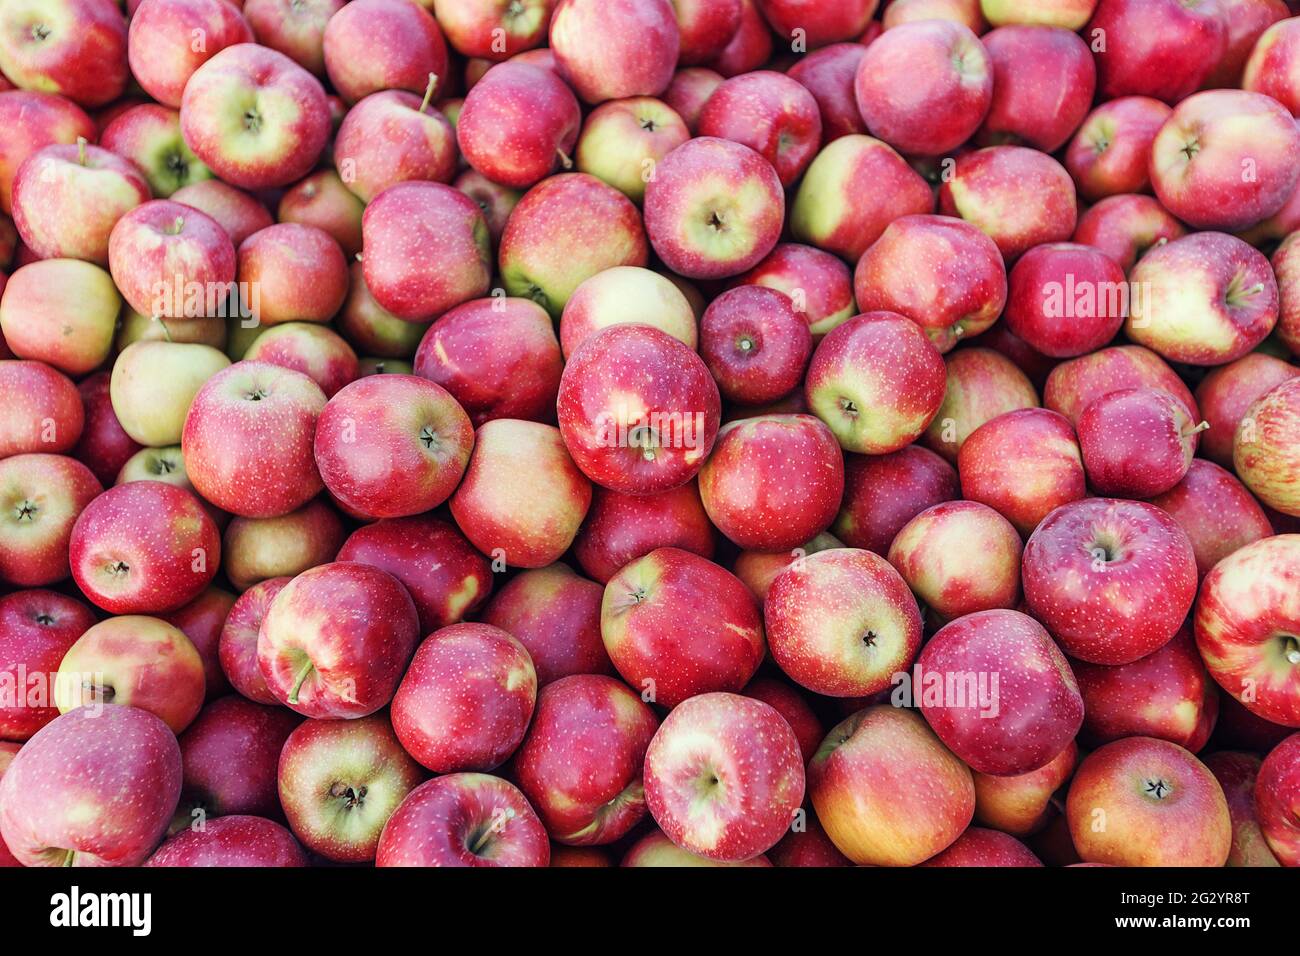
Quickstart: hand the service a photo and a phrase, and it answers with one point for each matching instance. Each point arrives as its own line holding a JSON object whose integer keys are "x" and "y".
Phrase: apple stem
{"x": 68, "y": 858}
{"x": 428, "y": 91}
{"x": 1196, "y": 429}
{"x": 81, "y": 150}
{"x": 299, "y": 680}
{"x": 167, "y": 334}
{"x": 565, "y": 161}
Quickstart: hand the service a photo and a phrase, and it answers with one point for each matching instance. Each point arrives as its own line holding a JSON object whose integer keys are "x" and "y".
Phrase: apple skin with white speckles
{"x": 388, "y": 139}
{"x": 724, "y": 776}
{"x": 755, "y": 344}
{"x": 982, "y": 847}
{"x": 1266, "y": 448}
{"x": 41, "y": 498}
{"x": 382, "y": 44}
{"x": 237, "y": 840}
{"x": 1277, "y": 800}
{"x": 1136, "y": 442}
{"x": 1238, "y": 773}
{"x": 981, "y": 385}
{"x": 36, "y": 629}
{"x": 1225, "y": 394}
{"x": 1074, "y": 385}
{"x": 1217, "y": 512}
{"x": 770, "y": 113}
{"x": 580, "y": 765}
{"x": 237, "y": 647}
{"x": 92, "y": 788}
{"x": 1022, "y": 804}
{"x": 611, "y": 49}
{"x": 623, "y": 527}
{"x": 884, "y": 492}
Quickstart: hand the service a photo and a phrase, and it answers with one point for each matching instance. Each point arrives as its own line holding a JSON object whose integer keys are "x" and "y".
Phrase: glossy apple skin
{"x": 689, "y": 90}
{"x": 1126, "y": 226}
{"x": 807, "y": 848}
{"x": 340, "y": 780}
{"x": 41, "y": 498}
{"x": 229, "y": 759}
{"x": 1238, "y": 773}
{"x": 581, "y": 763}
{"x": 242, "y": 841}
{"x": 770, "y": 113}
{"x": 757, "y": 496}
{"x": 626, "y": 295}
{"x": 238, "y": 644}
{"x": 259, "y": 548}
{"x": 335, "y": 641}
{"x": 248, "y": 439}
{"x": 294, "y": 28}
{"x": 315, "y": 350}
{"x": 324, "y": 201}
{"x": 144, "y": 547}
{"x": 161, "y": 49}
{"x": 1140, "y": 572}
{"x": 622, "y": 139}
{"x": 1074, "y": 385}
{"x": 1066, "y": 299}
{"x": 985, "y": 848}
{"x": 1286, "y": 267}
{"x": 235, "y": 211}
{"x": 388, "y": 139}
{"x": 1163, "y": 49}
{"x": 755, "y": 344}
{"x": 868, "y": 784}
{"x": 1265, "y": 448}
{"x": 103, "y": 447}
{"x": 83, "y": 54}
{"x": 793, "y": 707}
{"x": 1108, "y": 156}
{"x": 464, "y": 819}
{"x": 819, "y": 285}
{"x": 623, "y": 527}
{"x": 996, "y": 457}
{"x": 981, "y": 385}
{"x": 37, "y": 628}
{"x": 123, "y": 762}
{"x": 959, "y": 283}
{"x": 383, "y": 44}
{"x": 518, "y": 124}
{"x": 829, "y": 75}
{"x": 1136, "y": 442}
{"x": 841, "y": 622}
{"x": 724, "y": 776}
{"x": 1161, "y": 807}
{"x": 201, "y": 621}
{"x": 676, "y": 625}
{"x": 1277, "y": 795}
{"x": 150, "y": 137}
{"x": 1246, "y": 616}
{"x": 1219, "y": 515}
{"x": 818, "y": 24}
{"x": 482, "y": 28}
{"x": 1268, "y": 68}
{"x": 1043, "y": 84}
{"x": 35, "y": 120}
{"x": 299, "y": 272}
{"x": 615, "y": 48}
{"x": 7, "y": 753}
{"x": 884, "y": 492}
{"x": 1022, "y": 804}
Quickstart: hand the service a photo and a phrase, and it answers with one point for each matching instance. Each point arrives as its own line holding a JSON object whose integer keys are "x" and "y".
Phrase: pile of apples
{"x": 656, "y": 432}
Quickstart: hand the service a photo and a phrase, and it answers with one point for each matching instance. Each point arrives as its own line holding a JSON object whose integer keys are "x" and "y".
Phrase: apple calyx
{"x": 40, "y": 32}
{"x": 1158, "y": 788}
{"x": 26, "y": 511}
{"x": 44, "y": 620}
{"x": 118, "y": 569}
{"x": 429, "y": 438}
{"x": 869, "y": 639}
{"x": 352, "y": 797}
{"x": 252, "y": 120}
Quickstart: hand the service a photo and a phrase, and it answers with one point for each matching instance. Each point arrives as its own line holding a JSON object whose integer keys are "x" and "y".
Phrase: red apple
{"x": 770, "y": 113}
{"x": 36, "y": 629}
{"x": 1043, "y": 83}
{"x": 1137, "y": 442}
{"x": 1237, "y": 774}
{"x": 623, "y": 141}
{"x": 41, "y": 497}
{"x": 201, "y": 621}
{"x": 238, "y": 645}
{"x": 242, "y": 841}
{"x": 882, "y": 493}
{"x": 623, "y": 527}
{"x": 1219, "y": 515}
{"x": 494, "y": 29}
{"x": 1022, "y": 804}
{"x": 392, "y": 137}
{"x": 1066, "y": 299}
{"x": 519, "y": 124}
{"x": 234, "y": 210}
{"x": 691, "y": 89}
{"x": 981, "y": 385}
{"x": 229, "y": 759}
{"x": 1270, "y": 63}
{"x": 103, "y": 447}
{"x": 1110, "y": 151}
{"x": 610, "y": 49}
{"x": 1265, "y": 449}
{"x": 77, "y": 48}
{"x": 373, "y": 45}
{"x": 758, "y": 569}
{"x": 43, "y": 412}
{"x": 318, "y": 352}
{"x": 749, "y": 48}
{"x": 1163, "y": 49}
{"x": 298, "y": 274}
{"x": 818, "y": 284}
{"x": 829, "y": 75}
{"x": 1073, "y": 386}
{"x": 324, "y": 201}
{"x": 33, "y": 120}
{"x": 984, "y": 848}
{"x": 1125, "y": 227}
{"x": 1225, "y": 394}
{"x": 1286, "y": 268}
{"x": 162, "y": 48}
{"x": 817, "y": 24}
{"x": 706, "y": 27}
{"x": 755, "y": 344}
{"x": 1277, "y": 793}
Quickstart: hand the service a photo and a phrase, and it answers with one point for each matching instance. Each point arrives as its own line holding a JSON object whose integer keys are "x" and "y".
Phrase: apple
{"x": 103, "y": 447}
{"x": 248, "y": 437}
{"x": 611, "y": 49}
{"x": 519, "y": 124}
{"x": 153, "y": 385}
{"x": 298, "y": 272}
{"x": 755, "y": 344}
{"x": 38, "y": 628}
{"x": 1147, "y": 802}
{"x": 339, "y": 782}
{"x": 770, "y": 113}
{"x": 315, "y": 350}
{"x": 758, "y": 569}
{"x": 749, "y": 48}
{"x": 1246, "y": 619}
{"x": 149, "y": 137}
{"x": 623, "y": 141}
{"x": 965, "y": 12}
{"x": 1237, "y": 774}
{"x": 706, "y": 27}
{"x": 981, "y": 385}
{"x": 162, "y": 464}
{"x": 235, "y": 211}
{"x": 1219, "y": 515}
{"x": 1070, "y": 14}
{"x": 1286, "y": 269}
{"x": 620, "y": 528}
{"x": 76, "y": 48}
{"x": 1067, "y": 299}
{"x": 1228, "y": 391}
{"x": 33, "y": 120}
{"x": 161, "y": 48}
{"x": 372, "y": 329}
{"x": 1043, "y": 84}
{"x": 466, "y": 699}
{"x": 656, "y": 850}
{"x": 1112, "y": 580}
{"x": 117, "y": 776}
{"x": 987, "y": 189}
{"x": 259, "y": 548}
{"x": 41, "y": 497}
{"x": 676, "y": 625}
{"x": 295, "y": 28}
{"x": 957, "y": 282}
{"x": 464, "y": 819}
{"x": 1126, "y": 226}
{"x": 887, "y": 791}
{"x": 884, "y": 492}
{"x": 724, "y": 776}
{"x": 565, "y": 230}
{"x": 324, "y": 201}
{"x": 496, "y": 201}
{"x": 1073, "y": 386}
{"x": 829, "y": 75}
{"x": 690, "y": 90}
{"x": 373, "y": 45}
{"x": 1109, "y": 153}
{"x": 579, "y": 856}
{"x": 1137, "y": 442}
{"x": 391, "y": 137}
{"x": 817, "y": 24}
{"x": 876, "y": 381}
{"x": 7, "y": 753}
{"x": 1162, "y": 49}
{"x": 1277, "y": 790}
{"x": 638, "y": 410}
{"x": 985, "y": 848}
{"x": 1268, "y": 68}
{"x": 1022, "y": 804}
{"x": 494, "y": 29}
{"x": 42, "y": 411}
{"x": 238, "y": 644}
{"x": 625, "y": 295}
{"x": 133, "y": 327}
{"x": 239, "y": 841}
{"x": 1265, "y": 448}
{"x": 925, "y": 87}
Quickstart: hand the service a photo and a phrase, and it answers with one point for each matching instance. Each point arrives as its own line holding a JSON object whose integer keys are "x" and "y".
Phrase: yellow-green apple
{"x": 77, "y": 48}
{"x": 335, "y": 641}
{"x": 466, "y": 699}
{"x": 713, "y": 209}
{"x": 1071, "y": 14}
{"x": 373, "y": 45}
{"x": 295, "y": 28}
{"x": 612, "y": 49}
{"x": 1266, "y": 448}
{"x": 755, "y": 344}
{"x": 464, "y": 819}
{"x": 1043, "y": 84}
{"x": 67, "y": 199}
{"x": 201, "y": 621}
{"x": 42, "y": 410}
{"x": 41, "y": 497}
{"x": 518, "y": 125}
{"x": 238, "y": 840}
{"x": 965, "y": 12}
{"x": 317, "y": 351}
{"x": 555, "y": 614}
{"x": 298, "y": 274}
{"x": 118, "y": 775}
{"x": 238, "y": 646}
{"x": 637, "y": 409}
{"x": 158, "y": 464}
{"x": 773, "y": 481}
{"x": 817, "y": 24}
{"x": 958, "y": 281}
{"x": 133, "y": 327}
{"x": 676, "y": 625}
{"x": 887, "y": 790}
{"x": 1136, "y": 442}
{"x": 1166, "y": 694}
{"x": 447, "y": 579}
{"x": 154, "y": 384}
{"x": 1286, "y": 268}
{"x": 959, "y": 557}
{"x": 1147, "y": 802}
{"x": 522, "y": 498}
{"x": 925, "y": 87}
{"x": 255, "y": 117}
{"x": 493, "y": 29}
{"x": 1066, "y": 299}
{"x": 496, "y": 201}
{"x": 580, "y": 764}
{"x": 370, "y": 328}
{"x": 144, "y": 547}
{"x": 1225, "y": 394}
{"x": 248, "y": 438}
{"x": 426, "y": 248}
{"x": 1112, "y": 580}
{"x": 392, "y": 137}
{"x": 1126, "y": 226}
{"x": 324, "y": 201}
{"x": 876, "y": 381}
{"x": 1237, "y": 773}
{"x": 36, "y": 629}
{"x": 855, "y": 187}
{"x": 163, "y": 51}
{"x": 259, "y": 548}
{"x": 1109, "y": 154}
{"x": 1163, "y": 49}
{"x": 749, "y": 48}
{"x": 981, "y": 847}
{"x": 724, "y": 776}
{"x": 981, "y": 385}
{"x": 1247, "y": 619}
{"x": 623, "y": 141}
{"x": 691, "y": 89}
{"x": 1023, "y": 464}
{"x": 770, "y": 113}
{"x": 1219, "y": 515}
{"x": 62, "y": 312}
{"x": 149, "y": 136}
{"x": 884, "y": 492}
{"x": 33, "y": 120}
{"x": 620, "y": 528}
{"x": 235, "y": 211}
{"x": 1277, "y": 800}
{"x": 829, "y": 75}
{"x": 758, "y": 569}
{"x": 656, "y": 850}
{"x": 988, "y": 187}
{"x": 565, "y": 230}
{"x": 339, "y": 782}
{"x": 841, "y": 622}
{"x": 624, "y": 295}
{"x": 1270, "y": 65}
{"x": 1074, "y": 385}
{"x": 1022, "y": 804}
{"x": 706, "y": 27}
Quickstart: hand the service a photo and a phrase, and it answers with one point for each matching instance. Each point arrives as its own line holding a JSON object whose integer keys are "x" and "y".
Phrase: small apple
{"x": 1022, "y": 804}
{"x": 1125, "y": 227}
{"x": 76, "y": 48}
{"x": 1066, "y": 299}
{"x": 611, "y": 49}
{"x": 41, "y": 497}
{"x": 318, "y": 352}
{"x": 882, "y": 493}
{"x": 255, "y": 549}
{"x": 1137, "y": 442}
{"x": 1219, "y": 515}
{"x": 829, "y": 74}
{"x": 325, "y": 202}
{"x": 1109, "y": 153}
{"x": 625, "y": 295}
{"x": 36, "y": 629}
{"x": 298, "y": 272}
{"x": 622, "y": 140}
{"x": 373, "y": 45}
